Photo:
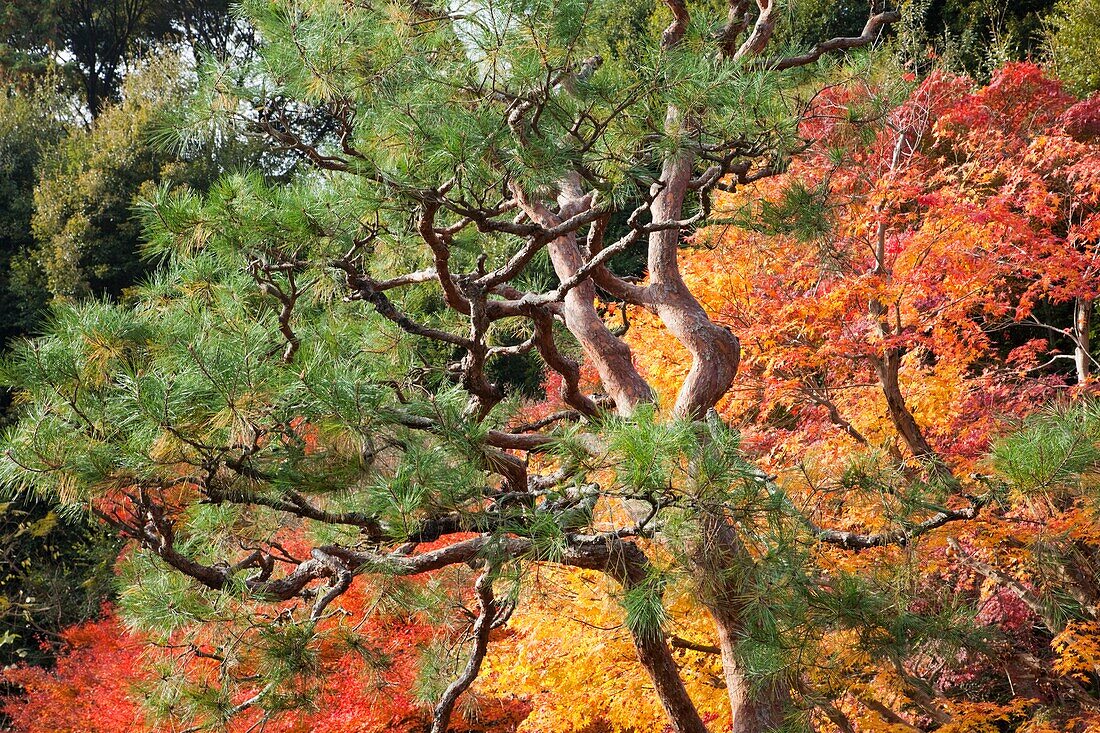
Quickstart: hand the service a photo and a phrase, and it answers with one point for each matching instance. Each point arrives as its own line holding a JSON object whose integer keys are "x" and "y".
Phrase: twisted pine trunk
{"x": 718, "y": 555}
{"x": 723, "y": 566}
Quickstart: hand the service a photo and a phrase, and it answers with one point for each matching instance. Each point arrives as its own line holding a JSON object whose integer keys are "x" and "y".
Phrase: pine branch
{"x": 871, "y": 31}
{"x": 483, "y": 625}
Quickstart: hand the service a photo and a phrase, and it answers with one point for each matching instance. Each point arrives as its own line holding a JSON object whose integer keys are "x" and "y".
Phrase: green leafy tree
{"x": 971, "y": 36}
{"x": 55, "y": 572}
{"x": 98, "y": 40}
{"x": 28, "y": 129}
{"x": 1073, "y": 36}
{"x": 87, "y": 233}
{"x": 314, "y": 361}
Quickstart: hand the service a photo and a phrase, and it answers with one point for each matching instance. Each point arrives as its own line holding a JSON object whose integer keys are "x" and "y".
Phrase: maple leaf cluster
{"x": 957, "y": 234}
{"x": 984, "y": 205}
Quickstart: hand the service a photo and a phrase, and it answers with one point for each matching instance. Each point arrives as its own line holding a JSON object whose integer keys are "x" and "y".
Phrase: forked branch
{"x": 479, "y": 633}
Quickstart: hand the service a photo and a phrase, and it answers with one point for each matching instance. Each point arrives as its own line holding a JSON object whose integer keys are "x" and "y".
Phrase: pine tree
{"x": 301, "y": 401}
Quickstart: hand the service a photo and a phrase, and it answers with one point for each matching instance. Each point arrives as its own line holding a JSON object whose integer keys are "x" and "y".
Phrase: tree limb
{"x": 875, "y": 23}
{"x": 483, "y": 625}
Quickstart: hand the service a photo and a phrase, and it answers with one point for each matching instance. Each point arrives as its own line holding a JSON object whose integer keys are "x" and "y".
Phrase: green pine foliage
{"x": 1055, "y": 451}
{"x": 158, "y": 387}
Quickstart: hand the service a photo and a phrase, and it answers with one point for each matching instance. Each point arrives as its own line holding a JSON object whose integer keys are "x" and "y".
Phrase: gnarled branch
{"x": 875, "y": 23}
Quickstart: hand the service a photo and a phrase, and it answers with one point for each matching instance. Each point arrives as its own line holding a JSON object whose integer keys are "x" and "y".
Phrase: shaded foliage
{"x": 96, "y": 42}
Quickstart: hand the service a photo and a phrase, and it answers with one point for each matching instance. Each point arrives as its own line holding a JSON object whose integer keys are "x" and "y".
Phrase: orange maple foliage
{"x": 580, "y": 673}
{"x": 984, "y": 206}
{"x": 106, "y": 672}
{"x": 954, "y": 237}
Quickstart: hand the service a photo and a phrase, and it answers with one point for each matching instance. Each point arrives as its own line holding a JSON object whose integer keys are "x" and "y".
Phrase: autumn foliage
{"x": 90, "y": 689}
{"x": 985, "y": 204}
{"x": 370, "y": 685}
{"x": 948, "y": 244}
{"x": 959, "y": 240}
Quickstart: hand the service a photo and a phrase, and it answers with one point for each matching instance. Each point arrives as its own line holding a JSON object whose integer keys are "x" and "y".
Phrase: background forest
{"x": 883, "y": 518}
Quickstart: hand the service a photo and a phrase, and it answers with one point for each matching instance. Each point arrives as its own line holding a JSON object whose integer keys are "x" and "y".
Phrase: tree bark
{"x": 1082, "y": 321}
{"x": 609, "y": 354}
{"x": 752, "y": 711}
{"x": 722, "y": 565}
{"x": 656, "y": 658}
{"x": 887, "y": 367}
{"x": 627, "y": 564}
{"x": 715, "y": 352}
{"x": 483, "y": 625}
